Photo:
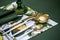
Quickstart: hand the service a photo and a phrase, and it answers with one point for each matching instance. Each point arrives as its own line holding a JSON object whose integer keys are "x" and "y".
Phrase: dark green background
{"x": 52, "y": 7}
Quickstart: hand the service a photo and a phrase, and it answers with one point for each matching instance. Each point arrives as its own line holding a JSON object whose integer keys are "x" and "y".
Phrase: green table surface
{"x": 52, "y": 7}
